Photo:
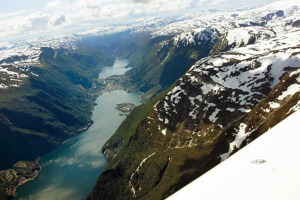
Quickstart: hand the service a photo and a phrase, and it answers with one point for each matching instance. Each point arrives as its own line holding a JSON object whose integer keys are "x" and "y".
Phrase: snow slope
{"x": 265, "y": 169}
{"x": 247, "y": 72}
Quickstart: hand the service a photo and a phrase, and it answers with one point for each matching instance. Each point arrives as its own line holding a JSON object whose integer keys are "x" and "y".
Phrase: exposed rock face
{"x": 296, "y": 23}
{"x": 241, "y": 37}
{"x": 270, "y": 16}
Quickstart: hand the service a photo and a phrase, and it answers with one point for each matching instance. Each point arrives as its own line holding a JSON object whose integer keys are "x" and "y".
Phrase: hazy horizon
{"x": 20, "y": 19}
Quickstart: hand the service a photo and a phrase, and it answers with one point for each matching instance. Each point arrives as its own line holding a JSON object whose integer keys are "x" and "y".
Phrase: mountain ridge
{"x": 222, "y": 103}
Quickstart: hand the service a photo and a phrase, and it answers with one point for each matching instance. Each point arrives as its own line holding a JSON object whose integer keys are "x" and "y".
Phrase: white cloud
{"x": 76, "y": 13}
{"x": 5, "y": 16}
{"x": 23, "y": 24}
{"x": 36, "y": 21}
{"x": 96, "y": 10}
{"x": 211, "y": 2}
{"x": 56, "y": 5}
{"x": 141, "y": 1}
{"x": 57, "y": 20}
{"x": 60, "y": 13}
{"x": 30, "y": 24}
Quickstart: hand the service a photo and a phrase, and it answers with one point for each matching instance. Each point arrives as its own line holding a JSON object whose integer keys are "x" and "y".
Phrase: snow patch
{"x": 131, "y": 186}
{"x": 240, "y": 136}
{"x": 230, "y": 109}
{"x": 155, "y": 106}
{"x": 244, "y": 110}
{"x": 238, "y": 36}
{"x": 210, "y": 88}
{"x": 213, "y": 117}
{"x": 192, "y": 99}
{"x": 274, "y": 105}
{"x": 3, "y": 86}
{"x": 267, "y": 110}
{"x": 295, "y": 107}
{"x": 291, "y": 90}
{"x": 175, "y": 94}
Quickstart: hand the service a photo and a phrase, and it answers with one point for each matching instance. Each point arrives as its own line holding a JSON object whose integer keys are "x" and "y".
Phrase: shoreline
{"x": 21, "y": 173}
{"x": 106, "y": 85}
{"x": 9, "y": 178}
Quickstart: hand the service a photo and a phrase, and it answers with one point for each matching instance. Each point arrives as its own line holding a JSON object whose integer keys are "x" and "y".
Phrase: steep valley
{"x": 53, "y": 102}
{"x": 48, "y": 108}
{"x": 247, "y": 84}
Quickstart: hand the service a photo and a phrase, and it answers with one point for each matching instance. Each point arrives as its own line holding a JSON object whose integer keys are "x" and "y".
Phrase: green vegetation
{"x": 122, "y": 137}
{"x": 50, "y": 107}
{"x": 155, "y": 67}
{"x": 156, "y": 63}
{"x": 145, "y": 164}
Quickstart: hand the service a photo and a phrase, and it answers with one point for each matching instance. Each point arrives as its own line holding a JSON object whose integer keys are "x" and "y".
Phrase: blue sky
{"x": 24, "y": 17}
{"x": 7, "y": 6}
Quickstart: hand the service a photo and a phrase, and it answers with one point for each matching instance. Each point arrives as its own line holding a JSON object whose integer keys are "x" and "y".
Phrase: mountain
{"x": 162, "y": 54}
{"x": 247, "y": 83}
{"x": 45, "y": 101}
{"x": 47, "y": 96}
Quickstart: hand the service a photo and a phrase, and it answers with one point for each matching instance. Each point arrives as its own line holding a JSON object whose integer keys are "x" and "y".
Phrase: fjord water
{"x": 71, "y": 170}
{"x": 119, "y": 68}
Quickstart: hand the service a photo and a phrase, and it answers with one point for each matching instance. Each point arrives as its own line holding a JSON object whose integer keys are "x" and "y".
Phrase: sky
{"x": 33, "y": 17}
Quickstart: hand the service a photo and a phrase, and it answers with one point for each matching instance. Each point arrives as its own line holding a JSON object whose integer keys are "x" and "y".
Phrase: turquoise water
{"x": 71, "y": 170}
{"x": 117, "y": 69}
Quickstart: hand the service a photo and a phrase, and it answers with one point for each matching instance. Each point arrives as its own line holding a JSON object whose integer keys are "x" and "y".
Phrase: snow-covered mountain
{"x": 234, "y": 29}
{"x": 17, "y": 59}
{"x": 248, "y": 83}
{"x": 222, "y": 87}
